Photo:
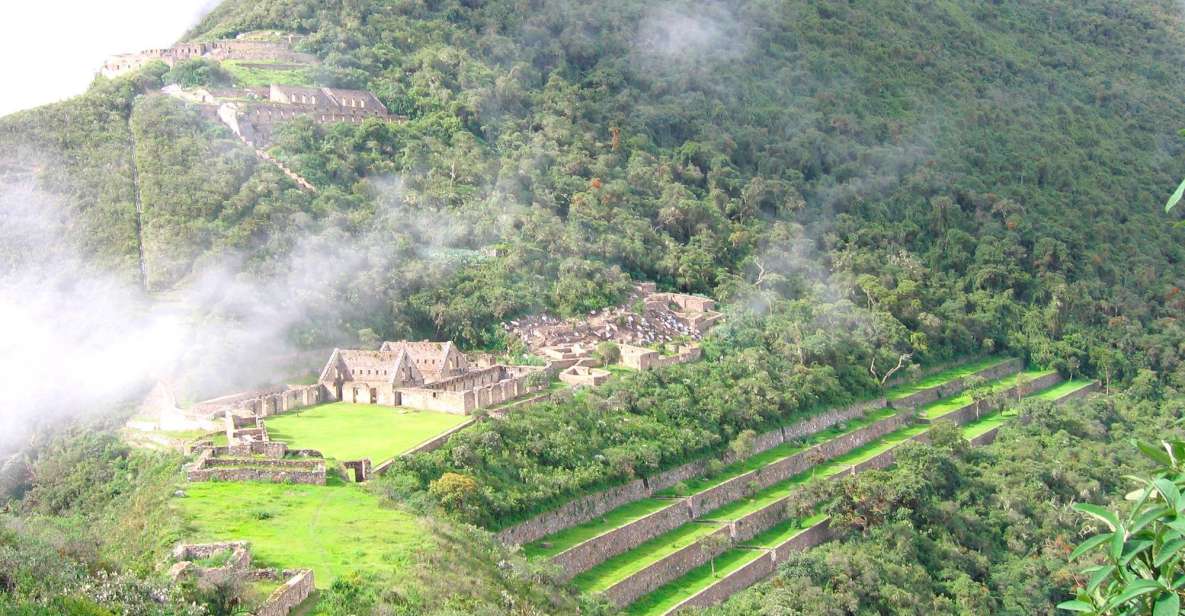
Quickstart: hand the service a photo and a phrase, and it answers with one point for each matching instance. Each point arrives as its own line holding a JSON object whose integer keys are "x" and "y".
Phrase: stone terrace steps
{"x": 738, "y": 569}
{"x": 584, "y": 546}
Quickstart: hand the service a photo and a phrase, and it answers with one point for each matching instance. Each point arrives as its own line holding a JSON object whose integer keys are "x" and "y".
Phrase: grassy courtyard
{"x": 333, "y": 529}
{"x": 351, "y": 431}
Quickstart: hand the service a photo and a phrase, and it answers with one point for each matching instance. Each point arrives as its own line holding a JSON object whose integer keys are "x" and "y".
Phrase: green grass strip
{"x": 934, "y": 380}
{"x": 624, "y": 565}
{"x": 570, "y": 537}
{"x": 945, "y": 406}
{"x": 670, "y": 595}
{"x": 1066, "y": 388}
{"x": 986, "y": 424}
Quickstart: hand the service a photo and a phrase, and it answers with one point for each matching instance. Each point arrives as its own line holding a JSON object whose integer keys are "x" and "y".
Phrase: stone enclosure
{"x": 237, "y": 570}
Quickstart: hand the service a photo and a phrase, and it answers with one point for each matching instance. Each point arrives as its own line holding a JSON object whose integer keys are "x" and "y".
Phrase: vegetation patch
{"x": 333, "y": 529}
{"x": 351, "y": 431}
{"x": 1063, "y": 389}
{"x": 263, "y": 74}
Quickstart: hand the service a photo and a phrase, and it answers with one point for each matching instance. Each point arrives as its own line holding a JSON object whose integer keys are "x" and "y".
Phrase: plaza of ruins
{"x": 651, "y": 330}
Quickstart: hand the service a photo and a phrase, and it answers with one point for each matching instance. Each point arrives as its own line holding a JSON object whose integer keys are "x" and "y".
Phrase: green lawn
{"x": 622, "y": 566}
{"x": 351, "y": 431}
{"x": 333, "y": 529}
{"x": 934, "y": 380}
{"x": 937, "y": 409}
{"x": 1066, "y": 388}
{"x": 986, "y": 424}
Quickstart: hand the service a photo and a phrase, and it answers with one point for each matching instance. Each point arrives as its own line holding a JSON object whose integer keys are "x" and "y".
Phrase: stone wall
{"x": 949, "y": 388}
{"x": 237, "y": 566}
{"x": 968, "y": 413}
{"x": 816, "y": 535}
{"x": 781, "y": 470}
{"x": 455, "y": 402}
{"x": 574, "y": 512}
{"x": 760, "y": 568}
{"x": 1081, "y": 393}
{"x": 582, "y": 510}
{"x": 291, "y": 594}
{"x": 209, "y": 468}
{"x": 667, "y": 570}
{"x": 437, "y": 442}
{"x": 593, "y": 552}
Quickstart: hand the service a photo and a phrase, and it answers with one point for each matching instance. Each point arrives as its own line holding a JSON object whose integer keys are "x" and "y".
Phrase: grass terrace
{"x": 259, "y": 74}
{"x": 768, "y": 496}
{"x": 670, "y": 595}
{"x": 350, "y": 431}
{"x": 575, "y": 535}
{"x": 945, "y": 406}
{"x": 934, "y": 380}
{"x": 624, "y": 565}
{"x": 987, "y": 424}
{"x": 570, "y": 537}
{"x": 332, "y": 529}
{"x": 1057, "y": 392}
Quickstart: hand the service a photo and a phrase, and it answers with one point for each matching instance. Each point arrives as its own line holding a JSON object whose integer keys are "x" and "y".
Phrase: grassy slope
{"x": 1064, "y": 389}
{"x": 350, "y": 431}
{"x": 334, "y": 529}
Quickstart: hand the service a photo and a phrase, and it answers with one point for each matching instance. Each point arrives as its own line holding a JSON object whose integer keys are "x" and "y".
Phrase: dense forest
{"x": 856, "y": 182}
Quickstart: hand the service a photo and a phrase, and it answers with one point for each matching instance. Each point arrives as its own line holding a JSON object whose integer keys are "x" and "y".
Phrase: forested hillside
{"x": 859, "y": 183}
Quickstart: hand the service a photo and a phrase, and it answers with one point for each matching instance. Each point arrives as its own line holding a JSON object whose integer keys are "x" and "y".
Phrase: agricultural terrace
{"x": 1066, "y": 388}
{"x": 941, "y": 378}
{"x": 670, "y": 595}
{"x": 946, "y": 406}
{"x": 570, "y": 537}
{"x": 351, "y": 431}
{"x": 333, "y": 529}
{"x": 666, "y": 597}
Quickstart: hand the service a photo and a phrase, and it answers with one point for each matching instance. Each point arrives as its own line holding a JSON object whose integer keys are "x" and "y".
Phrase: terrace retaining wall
{"x": 590, "y": 553}
{"x": 952, "y": 387}
{"x": 748, "y": 575}
{"x": 574, "y": 512}
{"x": 588, "y": 507}
{"x": 1078, "y": 394}
{"x": 968, "y": 413}
{"x": 670, "y": 568}
{"x": 289, "y": 595}
{"x": 738, "y": 487}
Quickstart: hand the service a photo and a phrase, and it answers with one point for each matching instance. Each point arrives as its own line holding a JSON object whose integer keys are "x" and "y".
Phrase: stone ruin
{"x": 297, "y": 586}
{"x": 646, "y": 319}
{"x": 584, "y": 376}
{"x": 251, "y": 455}
{"x": 272, "y": 54}
{"x": 428, "y": 376}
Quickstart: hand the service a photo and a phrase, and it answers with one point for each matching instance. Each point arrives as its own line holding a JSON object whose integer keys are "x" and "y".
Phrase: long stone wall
{"x": 820, "y": 532}
{"x": 949, "y": 388}
{"x": 289, "y": 595}
{"x": 574, "y": 512}
{"x": 969, "y": 413}
{"x": 667, "y": 570}
{"x": 586, "y": 508}
{"x": 594, "y": 551}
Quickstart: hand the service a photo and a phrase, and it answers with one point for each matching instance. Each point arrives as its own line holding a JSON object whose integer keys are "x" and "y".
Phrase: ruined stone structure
{"x": 237, "y": 569}
{"x": 250, "y": 455}
{"x": 252, "y": 115}
{"x": 583, "y": 376}
{"x": 272, "y": 52}
{"x": 430, "y": 376}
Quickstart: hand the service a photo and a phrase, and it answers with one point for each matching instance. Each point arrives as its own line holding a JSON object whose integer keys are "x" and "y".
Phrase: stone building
{"x": 431, "y": 376}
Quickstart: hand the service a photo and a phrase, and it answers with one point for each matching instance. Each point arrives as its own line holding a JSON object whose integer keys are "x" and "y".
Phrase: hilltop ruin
{"x": 275, "y": 53}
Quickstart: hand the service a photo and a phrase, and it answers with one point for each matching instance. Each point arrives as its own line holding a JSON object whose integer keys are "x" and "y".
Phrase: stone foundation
{"x": 286, "y": 597}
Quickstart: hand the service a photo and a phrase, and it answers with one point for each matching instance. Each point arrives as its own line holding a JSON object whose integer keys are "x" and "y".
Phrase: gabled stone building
{"x": 430, "y": 376}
